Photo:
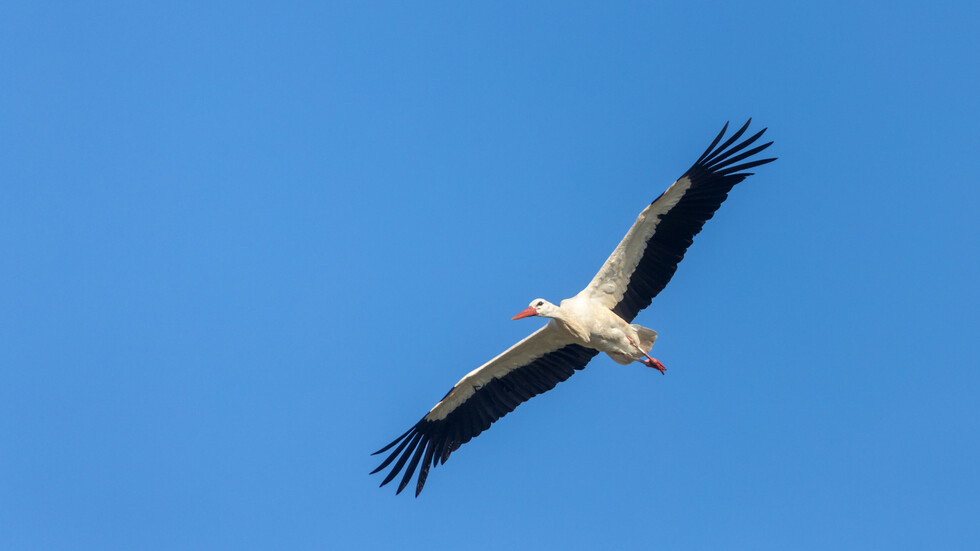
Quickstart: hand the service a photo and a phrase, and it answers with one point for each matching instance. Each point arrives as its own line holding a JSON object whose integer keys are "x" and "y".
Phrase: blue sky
{"x": 243, "y": 245}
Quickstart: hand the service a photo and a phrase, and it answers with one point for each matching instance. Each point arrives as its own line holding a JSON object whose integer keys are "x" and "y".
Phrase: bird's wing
{"x": 532, "y": 366}
{"x": 646, "y": 259}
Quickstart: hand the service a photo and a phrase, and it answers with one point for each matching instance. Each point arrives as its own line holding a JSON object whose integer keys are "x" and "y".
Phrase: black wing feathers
{"x": 433, "y": 441}
{"x": 712, "y": 177}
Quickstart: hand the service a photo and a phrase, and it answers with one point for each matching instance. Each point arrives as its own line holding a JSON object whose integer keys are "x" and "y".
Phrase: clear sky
{"x": 243, "y": 245}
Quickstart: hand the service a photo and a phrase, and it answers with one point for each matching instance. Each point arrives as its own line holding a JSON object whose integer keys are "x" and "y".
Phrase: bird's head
{"x": 538, "y": 307}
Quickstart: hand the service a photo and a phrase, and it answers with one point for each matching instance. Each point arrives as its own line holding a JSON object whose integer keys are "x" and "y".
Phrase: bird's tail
{"x": 647, "y": 337}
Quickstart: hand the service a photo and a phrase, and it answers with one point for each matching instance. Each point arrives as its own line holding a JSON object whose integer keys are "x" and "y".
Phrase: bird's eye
{"x": 540, "y": 303}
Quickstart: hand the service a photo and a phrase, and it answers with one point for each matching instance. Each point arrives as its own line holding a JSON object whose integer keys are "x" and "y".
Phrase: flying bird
{"x": 593, "y": 321}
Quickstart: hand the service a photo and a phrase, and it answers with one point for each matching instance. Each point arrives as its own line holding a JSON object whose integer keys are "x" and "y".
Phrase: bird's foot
{"x": 649, "y": 362}
{"x": 654, "y": 363}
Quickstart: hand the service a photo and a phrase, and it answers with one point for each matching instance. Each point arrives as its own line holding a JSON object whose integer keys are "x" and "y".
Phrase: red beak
{"x": 526, "y": 313}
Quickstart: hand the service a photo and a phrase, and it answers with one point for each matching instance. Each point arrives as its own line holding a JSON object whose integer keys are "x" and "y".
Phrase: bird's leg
{"x": 654, "y": 363}
{"x": 649, "y": 362}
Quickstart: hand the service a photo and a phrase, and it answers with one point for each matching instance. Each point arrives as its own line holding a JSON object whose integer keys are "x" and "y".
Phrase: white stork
{"x": 595, "y": 320}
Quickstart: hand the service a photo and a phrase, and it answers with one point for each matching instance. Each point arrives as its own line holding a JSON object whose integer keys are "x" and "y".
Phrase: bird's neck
{"x": 568, "y": 322}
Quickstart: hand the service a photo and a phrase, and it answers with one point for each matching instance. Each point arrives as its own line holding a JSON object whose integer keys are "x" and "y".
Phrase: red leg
{"x": 650, "y": 362}
{"x": 655, "y": 363}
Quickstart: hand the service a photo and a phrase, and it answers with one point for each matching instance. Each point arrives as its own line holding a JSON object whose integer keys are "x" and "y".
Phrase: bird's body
{"x": 598, "y": 319}
{"x": 590, "y": 323}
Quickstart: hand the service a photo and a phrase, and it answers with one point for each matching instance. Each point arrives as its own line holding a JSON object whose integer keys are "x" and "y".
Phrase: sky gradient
{"x": 243, "y": 245}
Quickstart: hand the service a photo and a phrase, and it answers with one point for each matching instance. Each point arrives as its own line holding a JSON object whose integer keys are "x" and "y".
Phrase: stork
{"x": 598, "y": 319}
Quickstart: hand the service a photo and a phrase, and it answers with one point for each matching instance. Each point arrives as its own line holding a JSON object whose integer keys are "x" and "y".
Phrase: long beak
{"x": 526, "y": 313}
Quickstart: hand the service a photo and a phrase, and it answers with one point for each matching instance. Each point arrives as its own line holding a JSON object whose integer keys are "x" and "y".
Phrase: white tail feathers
{"x": 647, "y": 337}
